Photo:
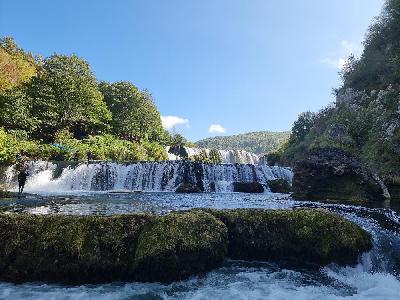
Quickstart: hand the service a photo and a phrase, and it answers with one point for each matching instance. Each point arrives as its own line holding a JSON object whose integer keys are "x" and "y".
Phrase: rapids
{"x": 90, "y": 189}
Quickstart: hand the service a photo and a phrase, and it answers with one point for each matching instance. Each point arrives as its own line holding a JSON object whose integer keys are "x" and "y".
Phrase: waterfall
{"x": 142, "y": 176}
{"x": 228, "y": 156}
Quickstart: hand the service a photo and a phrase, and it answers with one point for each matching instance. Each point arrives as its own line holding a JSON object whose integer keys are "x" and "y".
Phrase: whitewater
{"x": 94, "y": 188}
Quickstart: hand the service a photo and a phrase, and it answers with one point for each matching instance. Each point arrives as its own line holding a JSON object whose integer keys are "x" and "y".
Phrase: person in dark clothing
{"x": 19, "y": 155}
{"x": 21, "y": 180}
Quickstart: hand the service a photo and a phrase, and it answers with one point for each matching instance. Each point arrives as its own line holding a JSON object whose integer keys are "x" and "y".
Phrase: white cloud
{"x": 351, "y": 48}
{"x": 335, "y": 63}
{"x": 346, "y": 49}
{"x": 170, "y": 122}
{"x": 216, "y": 128}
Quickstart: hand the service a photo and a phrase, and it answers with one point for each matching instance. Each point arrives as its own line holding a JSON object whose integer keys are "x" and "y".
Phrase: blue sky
{"x": 213, "y": 66}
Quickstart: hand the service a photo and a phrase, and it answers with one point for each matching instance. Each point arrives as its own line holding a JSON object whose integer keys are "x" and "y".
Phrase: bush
{"x": 68, "y": 148}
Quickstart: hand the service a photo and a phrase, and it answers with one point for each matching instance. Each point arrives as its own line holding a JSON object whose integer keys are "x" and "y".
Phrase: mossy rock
{"x": 298, "y": 236}
{"x": 179, "y": 245}
{"x": 93, "y": 249}
{"x": 248, "y": 187}
{"x": 188, "y": 188}
{"x": 279, "y": 186}
{"x": 72, "y": 249}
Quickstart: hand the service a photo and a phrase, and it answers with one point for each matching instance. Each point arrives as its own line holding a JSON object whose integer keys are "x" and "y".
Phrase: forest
{"x": 55, "y": 108}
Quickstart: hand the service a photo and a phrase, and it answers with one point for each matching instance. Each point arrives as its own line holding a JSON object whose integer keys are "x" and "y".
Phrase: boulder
{"x": 70, "y": 249}
{"x": 180, "y": 245}
{"x": 335, "y": 175}
{"x": 188, "y": 188}
{"x": 142, "y": 247}
{"x": 393, "y": 185}
{"x": 279, "y": 186}
{"x": 295, "y": 236}
{"x": 248, "y": 187}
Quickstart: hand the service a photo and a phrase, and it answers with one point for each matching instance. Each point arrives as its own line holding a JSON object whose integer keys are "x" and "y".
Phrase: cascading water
{"x": 143, "y": 176}
{"x": 228, "y": 156}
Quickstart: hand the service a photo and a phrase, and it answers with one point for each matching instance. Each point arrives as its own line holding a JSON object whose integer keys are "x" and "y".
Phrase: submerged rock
{"x": 279, "y": 186}
{"x": 298, "y": 236}
{"x": 248, "y": 187}
{"x": 180, "y": 245}
{"x": 93, "y": 249}
{"x": 335, "y": 175}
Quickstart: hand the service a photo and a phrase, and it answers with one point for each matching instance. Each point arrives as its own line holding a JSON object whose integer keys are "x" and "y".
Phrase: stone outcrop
{"x": 335, "y": 175}
{"x": 188, "y": 188}
{"x": 248, "y": 187}
{"x": 279, "y": 186}
{"x": 393, "y": 186}
{"x": 142, "y": 247}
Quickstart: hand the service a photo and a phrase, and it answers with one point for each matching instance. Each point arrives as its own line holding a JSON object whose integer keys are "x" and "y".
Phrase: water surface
{"x": 377, "y": 276}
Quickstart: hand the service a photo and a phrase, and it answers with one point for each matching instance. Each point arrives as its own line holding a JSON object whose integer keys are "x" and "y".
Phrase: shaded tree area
{"x": 59, "y": 100}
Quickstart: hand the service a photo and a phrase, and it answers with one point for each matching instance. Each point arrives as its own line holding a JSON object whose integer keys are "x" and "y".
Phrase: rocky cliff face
{"x": 334, "y": 174}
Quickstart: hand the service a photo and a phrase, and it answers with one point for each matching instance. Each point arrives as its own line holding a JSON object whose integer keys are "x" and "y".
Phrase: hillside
{"x": 365, "y": 120}
{"x": 259, "y": 142}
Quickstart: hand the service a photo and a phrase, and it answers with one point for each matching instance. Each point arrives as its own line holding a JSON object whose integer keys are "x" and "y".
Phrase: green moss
{"x": 181, "y": 244}
{"x": 293, "y": 235}
{"x": 68, "y": 248}
{"x": 85, "y": 249}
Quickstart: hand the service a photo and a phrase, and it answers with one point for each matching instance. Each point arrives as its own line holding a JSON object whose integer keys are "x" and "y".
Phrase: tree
{"x": 215, "y": 156}
{"x": 302, "y": 126}
{"x": 135, "y": 116}
{"x": 15, "y": 110}
{"x": 16, "y": 65}
{"x": 65, "y": 95}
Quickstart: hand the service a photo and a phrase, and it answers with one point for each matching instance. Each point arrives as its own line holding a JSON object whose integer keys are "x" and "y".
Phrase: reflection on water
{"x": 105, "y": 203}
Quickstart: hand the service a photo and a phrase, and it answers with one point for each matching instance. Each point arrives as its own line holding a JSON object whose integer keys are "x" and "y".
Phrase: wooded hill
{"x": 260, "y": 142}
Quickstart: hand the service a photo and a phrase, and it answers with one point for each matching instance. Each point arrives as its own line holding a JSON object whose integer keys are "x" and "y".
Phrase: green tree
{"x": 15, "y": 110}
{"x": 65, "y": 95}
{"x": 302, "y": 126}
{"x": 215, "y": 156}
{"x": 16, "y": 65}
{"x": 135, "y": 116}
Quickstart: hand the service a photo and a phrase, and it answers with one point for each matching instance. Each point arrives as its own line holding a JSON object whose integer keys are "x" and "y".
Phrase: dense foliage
{"x": 54, "y": 108}
{"x": 365, "y": 120}
{"x": 257, "y": 142}
{"x": 212, "y": 157}
{"x": 128, "y": 105}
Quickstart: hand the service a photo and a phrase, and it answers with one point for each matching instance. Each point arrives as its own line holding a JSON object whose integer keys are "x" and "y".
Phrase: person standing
{"x": 23, "y": 174}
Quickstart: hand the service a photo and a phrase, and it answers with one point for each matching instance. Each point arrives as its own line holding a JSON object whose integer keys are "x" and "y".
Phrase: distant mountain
{"x": 259, "y": 142}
